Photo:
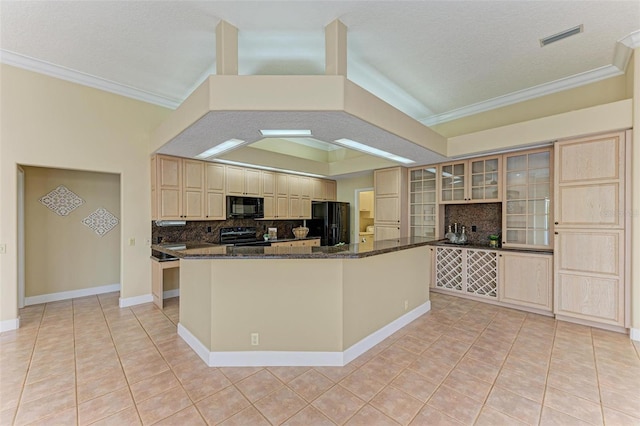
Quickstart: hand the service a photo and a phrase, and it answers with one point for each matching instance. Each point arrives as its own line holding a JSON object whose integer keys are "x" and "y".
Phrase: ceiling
{"x": 433, "y": 60}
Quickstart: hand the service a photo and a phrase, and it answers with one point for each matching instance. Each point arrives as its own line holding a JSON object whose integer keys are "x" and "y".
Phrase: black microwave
{"x": 245, "y": 207}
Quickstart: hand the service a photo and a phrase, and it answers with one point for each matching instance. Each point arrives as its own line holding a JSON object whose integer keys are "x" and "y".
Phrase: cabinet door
{"x": 481, "y": 273}
{"x": 452, "y": 183}
{"x": 253, "y": 182}
{"x": 269, "y": 207}
{"x": 387, "y": 210}
{"x": 294, "y": 185}
{"x": 282, "y": 185}
{"x": 215, "y": 177}
{"x": 527, "y": 208}
{"x": 169, "y": 187}
{"x": 330, "y": 189}
{"x": 235, "y": 180}
{"x": 526, "y": 279}
{"x": 317, "y": 189}
{"x": 295, "y": 208}
{"x": 305, "y": 208}
{"x": 485, "y": 183}
{"x": 382, "y": 232}
{"x": 193, "y": 189}
{"x": 215, "y": 209}
{"x": 423, "y": 202}
{"x": 305, "y": 187}
{"x": 387, "y": 182}
{"x": 448, "y": 265}
{"x": 268, "y": 184}
{"x": 589, "y": 275}
{"x": 282, "y": 207}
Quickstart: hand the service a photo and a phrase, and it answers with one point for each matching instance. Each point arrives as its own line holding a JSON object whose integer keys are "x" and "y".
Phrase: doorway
{"x": 365, "y": 215}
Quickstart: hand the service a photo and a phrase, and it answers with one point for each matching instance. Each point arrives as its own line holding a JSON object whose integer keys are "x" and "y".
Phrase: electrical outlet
{"x": 406, "y": 305}
{"x": 3, "y": 249}
{"x": 255, "y": 339}
{"x": 474, "y": 228}
{"x": 208, "y": 229}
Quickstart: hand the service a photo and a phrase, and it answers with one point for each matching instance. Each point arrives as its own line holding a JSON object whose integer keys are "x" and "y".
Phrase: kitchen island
{"x": 301, "y": 305}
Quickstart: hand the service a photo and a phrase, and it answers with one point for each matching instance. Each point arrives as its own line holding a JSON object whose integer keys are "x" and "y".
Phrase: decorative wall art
{"x": 101, "y": 221}
{"x": 62, "y": 201}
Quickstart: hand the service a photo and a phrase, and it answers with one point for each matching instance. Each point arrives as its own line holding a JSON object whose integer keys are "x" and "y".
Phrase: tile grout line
{"x": 595, "y": 364}
{"x": 546, "y": 379}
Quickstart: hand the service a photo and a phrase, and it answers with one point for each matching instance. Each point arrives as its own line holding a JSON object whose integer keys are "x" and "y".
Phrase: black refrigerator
{"x": 330, "y": 222}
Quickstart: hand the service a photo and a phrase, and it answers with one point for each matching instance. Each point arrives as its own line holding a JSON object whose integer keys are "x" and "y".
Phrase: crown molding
{"x": 632, "y": 40}
{"x": 526, "y": 94}
{"x": 52, "y": 70}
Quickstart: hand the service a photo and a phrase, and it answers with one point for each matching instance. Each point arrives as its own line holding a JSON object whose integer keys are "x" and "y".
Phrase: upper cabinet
{"x": 390, "y": 189}
{"x": 470, "y": 181}
{"x": 243, "y": 181}
{"x": 423, "y": 202}
{"x": 527, "y": 208}
{"x": 186, "y": 189}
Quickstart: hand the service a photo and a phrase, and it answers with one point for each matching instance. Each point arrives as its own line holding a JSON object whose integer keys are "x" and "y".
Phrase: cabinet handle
{"x": 555, "y": 223}
{"x": 556, "y": 233}
{"x": 499, "y": 255}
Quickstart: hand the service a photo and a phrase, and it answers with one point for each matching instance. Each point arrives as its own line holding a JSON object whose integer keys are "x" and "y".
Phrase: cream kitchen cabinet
{"x": 390, "y": 201}
{"x": 243, "y": 181}
{"x": 178, "y": 192}
{"x": 215, "y": 205}
{"x": 424, "y": 212}
{"x": 591, "y": 184}
{"x": 526, "y": 280}
{"x": 527, "y": 211}
{"x": 467, "y": 271}
{"x": 469, "y": 181}
{"x": 322, "y": 189}
{"x": 313, "y": 242}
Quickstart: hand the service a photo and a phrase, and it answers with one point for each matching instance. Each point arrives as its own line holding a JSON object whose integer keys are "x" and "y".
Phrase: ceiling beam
{"x": 335, "y": 48}
{"x": 226, "y": 49}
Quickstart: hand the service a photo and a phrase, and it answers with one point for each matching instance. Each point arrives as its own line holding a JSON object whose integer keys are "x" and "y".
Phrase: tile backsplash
{"x": 209, "y": 231}
{"x": 487, "y": 217}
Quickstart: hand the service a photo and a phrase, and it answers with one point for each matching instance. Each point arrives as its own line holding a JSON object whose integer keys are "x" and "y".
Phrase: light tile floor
{"x": 86, "y": 361}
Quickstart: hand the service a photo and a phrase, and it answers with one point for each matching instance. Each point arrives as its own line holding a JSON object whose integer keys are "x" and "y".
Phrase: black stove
{"x": 241, "y": 236}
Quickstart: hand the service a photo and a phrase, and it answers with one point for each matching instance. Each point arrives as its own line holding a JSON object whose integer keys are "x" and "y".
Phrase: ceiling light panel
{"x": 285, "y": 132}
{"x": 373, "y": 151}
{"x": 220, "y": 148}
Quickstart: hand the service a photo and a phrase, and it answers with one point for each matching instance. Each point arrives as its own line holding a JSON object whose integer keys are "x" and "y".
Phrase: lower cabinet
{"x": 315, "y": 242}
{"x": 526, "y": 279}
{"x": 472, "y": 272}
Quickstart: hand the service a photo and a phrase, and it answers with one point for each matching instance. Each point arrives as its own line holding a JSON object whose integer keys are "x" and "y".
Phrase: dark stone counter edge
{"x": 349, "y": 251}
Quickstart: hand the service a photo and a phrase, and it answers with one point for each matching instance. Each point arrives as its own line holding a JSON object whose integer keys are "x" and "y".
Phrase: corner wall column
{"x": 226, "y": 49}
{"x": 335, "y": 47}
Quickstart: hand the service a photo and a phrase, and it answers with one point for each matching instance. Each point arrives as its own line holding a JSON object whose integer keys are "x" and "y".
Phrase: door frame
{"x": 356, "y": 215}
{"x": 21, "y": 230}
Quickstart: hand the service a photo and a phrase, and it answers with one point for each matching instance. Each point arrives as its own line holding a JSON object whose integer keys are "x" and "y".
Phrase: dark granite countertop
{"x": 195, "y": 250}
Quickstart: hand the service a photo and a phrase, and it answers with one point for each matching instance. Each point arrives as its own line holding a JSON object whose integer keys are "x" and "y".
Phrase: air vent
{"x": 561, "y": 35}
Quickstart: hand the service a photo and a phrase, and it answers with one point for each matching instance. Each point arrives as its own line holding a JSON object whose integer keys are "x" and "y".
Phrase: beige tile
{"x": 189, "y": 416}
{"x": 368, "y": 416}
{"x": 259, "y": 385}
{"x": 415, "y": 385}
{"x": 413, "y": 344}
{"x": 208, "y": 383}
{"x": 309, "y": 416}
{"x": 455, "y": 404}
{"x": 45, "y": 407}
{"x": 383, "y": 369}
{"x": 246, "y": 417}
{"x": 478, "y": 369}
{"x": 104, "y": 406}
{"x": 65, "y": 417}
{"x": 529, "y": 386}
{"x": 235, "y": 374}
{"x": 222, "y": 405}
{"x": 153, "y": 386}
{"x": 280, "y": 405}
{"x": 102, "y": 385}
{"x": 574, "y": 406}
{"x": 468, "y": 385}
{"x": 399, "y": 355}
{"x": 432, "y": 370}
{"x": 310, "y": 385}
{"x": 7, "y": 415}
{"x": 336, "y": 373}
{"x": 553, "y": 417}
{"x": 628, "y": 403}
{"x": 491, "y": 417}
{"x": 163, "y": 405}
{"x": 429, "y": 416}
{"x": 514, "y": 405}
{"x": 142, "y": 364}
{"x": 338, "y": 404}
{"x": 128, "y": 416}
{"x": 613, "y": 417}
{"x": 286, "y": 374}
{"x": 576, "y": 385}
{"x": 396, "y": 404}
{"x": 363, "y": 384}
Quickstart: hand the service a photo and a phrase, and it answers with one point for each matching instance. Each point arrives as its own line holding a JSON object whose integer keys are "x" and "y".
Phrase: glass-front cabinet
{"x": 423, "y": 203}
{"x": 471, "y": 181}
{"x": 527, "y": 211}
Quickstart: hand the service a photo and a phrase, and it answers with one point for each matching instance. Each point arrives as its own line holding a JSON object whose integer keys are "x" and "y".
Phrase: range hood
{"x": 228, "y": 106}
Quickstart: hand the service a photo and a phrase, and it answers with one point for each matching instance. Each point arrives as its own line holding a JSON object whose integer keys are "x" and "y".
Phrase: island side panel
{"x": 293, "y": 304}
{"x": 195, "y": 299}
{"x": 376, "y": 288}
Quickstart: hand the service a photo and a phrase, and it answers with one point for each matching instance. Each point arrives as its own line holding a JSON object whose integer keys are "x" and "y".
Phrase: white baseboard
{"x": 8, "y": 325}
{"x": 136, "y": 300}
{"x": 298, "y": 358}
{"x": 171, "y": 293}
{"x": 72, "y": 294}
{"x": 378, "y": 336}
{"x": 634, "y": 334}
